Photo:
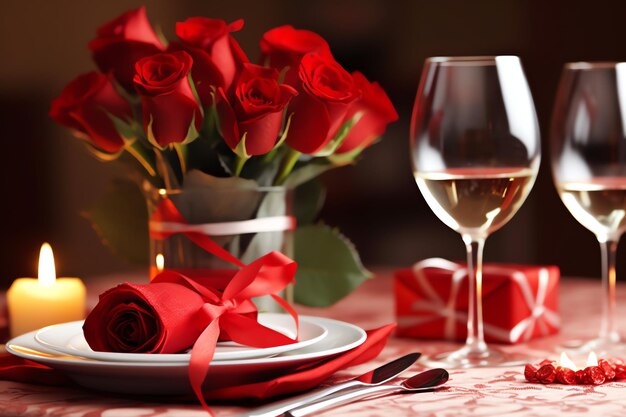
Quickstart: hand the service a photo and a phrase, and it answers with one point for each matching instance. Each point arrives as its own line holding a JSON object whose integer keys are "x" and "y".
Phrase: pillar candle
{"x": 38, "y": 302}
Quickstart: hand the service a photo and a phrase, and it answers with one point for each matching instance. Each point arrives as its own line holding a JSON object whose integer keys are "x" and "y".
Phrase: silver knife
{"x": 376, "y": 376}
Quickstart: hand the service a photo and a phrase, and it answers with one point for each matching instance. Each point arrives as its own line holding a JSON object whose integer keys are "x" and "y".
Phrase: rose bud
{"x": 254, "y": 109}
{"x": 171, "y": 113}
{"x": 86, "y": 105}
{"x": 321, "y": 105}
{"x": 376, "y": 113}
{"x": 581, "y": 376}
{"x": 594, "y": 375}
{"x": 530, "y": 373}
{"x": 120, "y": 43}
{"x": 218, "y": 58}
{"x": 565, "y": 376}
{"x": 135, "y": 319}
{"x": 608, "y": 370}
{"x": 546, "y": 374}
{"x": 285, "y": 46}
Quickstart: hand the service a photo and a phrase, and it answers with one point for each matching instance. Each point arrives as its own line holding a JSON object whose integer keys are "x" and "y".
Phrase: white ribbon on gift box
{"x": 522, "y": 331}
{"x": 260, "y": 225}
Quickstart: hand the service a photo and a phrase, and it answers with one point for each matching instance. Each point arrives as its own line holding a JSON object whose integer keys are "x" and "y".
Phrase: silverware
{"x": 374, "y": 377}
{"x": 421, "y": 382}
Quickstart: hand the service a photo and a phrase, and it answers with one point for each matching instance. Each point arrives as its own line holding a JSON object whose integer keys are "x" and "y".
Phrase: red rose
{"x": 168, "y": 103}
{"x": 285, "y": 46}
{"x": 152, "y": 318}
{"x": 217, "y": 56}
{"x": 254, "y": 109}
{"x": 173, "y": 313}
{"x": 83, "y": 105}
{"x": 319, "y": 110}
{"x": 377, "y": 112}
{"x": 122, "y": 42}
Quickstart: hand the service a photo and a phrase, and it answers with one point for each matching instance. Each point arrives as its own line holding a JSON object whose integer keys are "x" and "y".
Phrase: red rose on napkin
{"x": 285, "y": 46}
{"x": 169, "y": 105}
{"x": 376, "y": 110}
{"x": 174, "y": 312}
{"x": 254, "y": 110}
{"x": 121, "y": 42}
{"x": 86, "y": 104}
{"x": 145, "y": 319}
{"x": 217, "y": 56}
{"x": 319, "y": 110}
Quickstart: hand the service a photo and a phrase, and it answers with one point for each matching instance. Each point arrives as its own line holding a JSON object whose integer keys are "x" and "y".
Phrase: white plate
{"x": 147, "y": 378}
{"x": 68, "y": 338}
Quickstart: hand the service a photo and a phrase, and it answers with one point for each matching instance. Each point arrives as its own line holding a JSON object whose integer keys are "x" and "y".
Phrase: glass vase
{"x": 247, "y": 221}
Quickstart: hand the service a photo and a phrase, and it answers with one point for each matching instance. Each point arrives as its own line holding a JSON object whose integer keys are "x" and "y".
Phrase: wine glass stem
{"x": 608, "y": 331}
{"x": 475, "y": 343}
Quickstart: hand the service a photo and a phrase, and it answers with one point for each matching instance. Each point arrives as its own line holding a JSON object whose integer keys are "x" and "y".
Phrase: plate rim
{"x": 325, "y": 353}
{"x": 180, "y": 357}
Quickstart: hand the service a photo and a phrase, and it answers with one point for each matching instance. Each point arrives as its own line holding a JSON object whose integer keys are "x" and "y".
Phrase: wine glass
{"x": 475, "y": 146}
{"x": 588, "y": 147}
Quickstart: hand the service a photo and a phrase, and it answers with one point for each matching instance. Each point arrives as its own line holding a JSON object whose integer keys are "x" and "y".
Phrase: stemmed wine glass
{"x": 475, "y": 146}
{"x": 588, "y": 147}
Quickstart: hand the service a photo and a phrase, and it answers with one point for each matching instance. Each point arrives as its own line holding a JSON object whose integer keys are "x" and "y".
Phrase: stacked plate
{"x": 63, "y": 347}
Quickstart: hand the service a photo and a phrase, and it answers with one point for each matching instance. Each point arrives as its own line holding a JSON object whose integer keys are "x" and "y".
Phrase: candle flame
{"x": 47, "y": 273}
{"x": 160, "y": 262}
{"x": 592, "y": 359}
{"x": 566, "y": 362}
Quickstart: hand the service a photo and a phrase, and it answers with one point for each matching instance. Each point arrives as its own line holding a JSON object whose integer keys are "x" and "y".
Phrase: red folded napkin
{"x": 309, "y": 376}
{"x": 17, "y": 369}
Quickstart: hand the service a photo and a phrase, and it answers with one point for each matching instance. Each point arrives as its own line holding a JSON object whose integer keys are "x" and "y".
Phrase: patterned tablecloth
{"x": 475, "y": 392}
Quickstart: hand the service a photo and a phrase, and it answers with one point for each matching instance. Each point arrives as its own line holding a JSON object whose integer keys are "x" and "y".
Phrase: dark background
{"x": 48, "y": 178}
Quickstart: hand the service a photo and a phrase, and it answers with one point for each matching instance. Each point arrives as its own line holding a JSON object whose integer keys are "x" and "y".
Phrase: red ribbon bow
{"x": 231, "y": 314}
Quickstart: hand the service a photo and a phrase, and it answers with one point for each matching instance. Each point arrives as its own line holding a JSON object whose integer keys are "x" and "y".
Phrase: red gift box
{"x": 520, "y": 302}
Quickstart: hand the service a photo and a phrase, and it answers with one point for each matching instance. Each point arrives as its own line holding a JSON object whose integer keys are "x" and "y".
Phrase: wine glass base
{"x": 465, "y": 358}
{"x": 601, "y": 346}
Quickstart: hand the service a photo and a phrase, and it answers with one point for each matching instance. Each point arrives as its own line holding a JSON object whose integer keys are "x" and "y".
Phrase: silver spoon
{"x": 378, "y": 376}
{"x": 424, "y": 381}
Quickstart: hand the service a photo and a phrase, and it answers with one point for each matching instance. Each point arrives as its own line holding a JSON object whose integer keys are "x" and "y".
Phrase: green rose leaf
{"x": 329, "y": 267}
{"x": 120, "y": 218}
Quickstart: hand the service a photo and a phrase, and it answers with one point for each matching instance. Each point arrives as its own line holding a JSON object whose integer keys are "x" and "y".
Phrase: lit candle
{"x": 566, "y": 362}
{"x": 159, "y": 264}
{"x": 37, "y": 302}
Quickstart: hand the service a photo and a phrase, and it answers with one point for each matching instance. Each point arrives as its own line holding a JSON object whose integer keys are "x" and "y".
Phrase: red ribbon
{"x": 231, "y": 314}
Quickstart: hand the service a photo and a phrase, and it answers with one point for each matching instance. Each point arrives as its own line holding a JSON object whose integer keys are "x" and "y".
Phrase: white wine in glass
{"x": 475, "y": 147}
{"x": 588, "y": 147}
{"x": 469, "y": 199}
{"x": 598, "y": 204}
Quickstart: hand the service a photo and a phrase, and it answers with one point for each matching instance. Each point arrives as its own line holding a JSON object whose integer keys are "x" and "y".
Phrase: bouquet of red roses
{"x": 196, "y": 106}
{"x": 198, "y": 98}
